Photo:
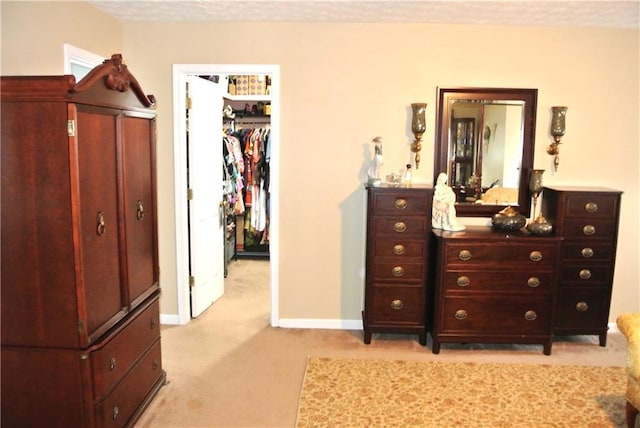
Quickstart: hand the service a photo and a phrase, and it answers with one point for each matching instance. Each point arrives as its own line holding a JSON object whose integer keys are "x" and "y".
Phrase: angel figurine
{"x": 376, "y": 163}
{"x": 443, "y": 214}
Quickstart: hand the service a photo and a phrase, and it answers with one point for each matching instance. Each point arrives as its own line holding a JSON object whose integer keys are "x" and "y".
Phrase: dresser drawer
{"x": 397, "y": 305}
{"x": 400, "y": 248}
{"x": 399, "y": 271}
{"x": 519, "y": 281}
{"x": 585, "y": 274}
{"x": 593, "y": 206}
{"x": 584, "y": 250}
{"x": 110, "y": 363}
{"x": 398, "y": 226}
{"x": 401, "y": 202}
{"x": 590, "y": 229}
{"x": 118, "y": 407}
{"x": 582, "y": 308}
{"x": 483, "y": 315}
{"x": 500, "y": 254}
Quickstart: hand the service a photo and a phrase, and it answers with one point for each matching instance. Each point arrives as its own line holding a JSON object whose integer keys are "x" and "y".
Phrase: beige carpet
{"x": 394, "y": 393}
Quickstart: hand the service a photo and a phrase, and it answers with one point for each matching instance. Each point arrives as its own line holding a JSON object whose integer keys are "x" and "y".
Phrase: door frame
{"x": 180, "y": 71}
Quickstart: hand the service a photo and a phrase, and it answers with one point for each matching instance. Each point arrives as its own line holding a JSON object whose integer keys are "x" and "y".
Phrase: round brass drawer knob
{"x": 400, "y": 227}
{"x": 535, "y": 256}
{"x": 397, "y": 271}
{"x": 591, "y": 207}
{"x": 461, "y": 314}
{"x": 464, "y": 255}
{"x": 115, "y": 413}
{"x": 399, "y": 249}
{"x": 112, "y": 364}
{"x": 587, "y": 252}
{"x": 533, "y": 282}
{"x": 396, "y": 304}
{"x": 589, "y": 230}
{"x": 530, "y": 315}
{"x": 585, "y": 274}
{"x": 401, "y": 204}
{"x": 463, "y": 281}
{"x": 582, "y": 307}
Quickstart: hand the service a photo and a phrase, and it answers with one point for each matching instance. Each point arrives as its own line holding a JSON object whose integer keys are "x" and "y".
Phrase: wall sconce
{"x": 418, "y": 126}
{"x": 558, "y": 128}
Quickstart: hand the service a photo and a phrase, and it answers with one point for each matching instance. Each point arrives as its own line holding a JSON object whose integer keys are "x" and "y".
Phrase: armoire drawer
{"x": 398, "y": 305}
{"x": 507, "y": 255}
{"x": 401, "y": 248}
{"x": 398, "y": 202}
{"x": 110, "y": 362}
{"x": 399, "y": 271}
{"x": 400, "y": 227}
{"x": 485, "y": 280}
{"x": 593, "y": 206}
{"x": 584, "y": 250}
{"x": 585, "y": 274}
{"x": 120, "y": 405}
{"x": 581, "y": 308}
{"x": 588, "y": 229}
{"x": 508, "y": 315}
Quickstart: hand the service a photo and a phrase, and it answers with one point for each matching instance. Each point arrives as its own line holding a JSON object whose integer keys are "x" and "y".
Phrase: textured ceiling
{"x": 601, "y": 13}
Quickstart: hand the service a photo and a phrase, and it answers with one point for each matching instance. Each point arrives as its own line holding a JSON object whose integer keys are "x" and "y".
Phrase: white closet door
{"x": 206, "y": 215}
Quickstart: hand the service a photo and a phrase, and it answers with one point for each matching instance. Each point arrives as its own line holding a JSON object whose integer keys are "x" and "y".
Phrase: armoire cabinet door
{"x": 97, "y": 196}
{"x": 138, "y": 143}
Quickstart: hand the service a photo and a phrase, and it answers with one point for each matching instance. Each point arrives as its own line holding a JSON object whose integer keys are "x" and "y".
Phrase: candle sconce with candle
{"x": 558, "y": 129}
{"x": 418, "y": 126}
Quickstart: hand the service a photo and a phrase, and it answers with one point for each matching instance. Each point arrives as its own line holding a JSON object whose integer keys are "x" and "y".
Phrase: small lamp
{"x": 418, "y": 126}
{"x": 558, "y": 129}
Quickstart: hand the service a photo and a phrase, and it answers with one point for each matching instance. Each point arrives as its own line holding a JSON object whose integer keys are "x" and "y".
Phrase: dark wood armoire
{"x": 80, "y": 277}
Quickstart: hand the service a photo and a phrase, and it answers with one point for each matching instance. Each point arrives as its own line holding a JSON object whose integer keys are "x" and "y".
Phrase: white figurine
{"x": 443, "y": 214}
{"x": 376, "y": 163}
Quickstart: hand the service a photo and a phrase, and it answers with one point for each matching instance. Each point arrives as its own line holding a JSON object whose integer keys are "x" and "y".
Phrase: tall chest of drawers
{"x": 494, "y": 287}
{"x": 587, "y": 219}
{"x": 398, "y": 236}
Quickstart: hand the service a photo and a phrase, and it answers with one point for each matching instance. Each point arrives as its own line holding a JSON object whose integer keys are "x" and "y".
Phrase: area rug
{"x": 383, "y": 393}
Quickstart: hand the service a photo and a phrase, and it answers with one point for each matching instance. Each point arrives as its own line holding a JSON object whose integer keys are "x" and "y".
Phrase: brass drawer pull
{"x": 533, "y": 282}
{"x": 463, "y": 281}
{"x": 100, "y": 224}
{"x": 155, "y": 365}
{"x": 582, "y": 307}
{"x": 397, "y": 271}
{"x": 401, "y": 204}
{"x": 461, "y": 314}
{"x": 535, "y": 256}
{"x": 116, "y": 412}
{"x": 153, "y": 324}
{"x": 589, "y": 230}
{"x": 139, "y": 210}
{"x": 585, "y": 274}
{"x": 591, "y": 207}
{"x": 400, "y": 226}
{"x": 530, "y": 315}
{"x": 396, "y": 304}
{"x": 587, "y": 252}
{"x": 112, "y": 364}
{"x": 398, "y": 249}
{"x": 464, "y": 255}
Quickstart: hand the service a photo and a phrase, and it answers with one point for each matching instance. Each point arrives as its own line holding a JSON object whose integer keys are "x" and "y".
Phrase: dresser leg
{"x": 422, "y": 338}
{"x": 546, "y": 350}
{"x": 435, "y": 348}
{"x": 367, "y": 337}
{"x": 603, "y": 339}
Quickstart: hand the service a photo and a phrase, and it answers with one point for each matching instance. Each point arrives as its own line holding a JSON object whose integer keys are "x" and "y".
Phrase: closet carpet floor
{"x": 229, "y": 368}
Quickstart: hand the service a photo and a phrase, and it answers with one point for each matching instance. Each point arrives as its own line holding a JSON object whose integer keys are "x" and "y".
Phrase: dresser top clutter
{"x": 80, "y": 275}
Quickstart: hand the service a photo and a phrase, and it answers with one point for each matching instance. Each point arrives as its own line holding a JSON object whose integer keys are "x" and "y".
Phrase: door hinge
{"x": 71, "y": 128}
{"x": 188, "y": 101}
{"x": 189, "y": 194}
{"x": 192, "y": 281}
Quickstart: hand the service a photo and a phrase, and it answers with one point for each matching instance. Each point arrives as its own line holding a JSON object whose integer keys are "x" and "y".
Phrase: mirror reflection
{"x": 485, "y": 145}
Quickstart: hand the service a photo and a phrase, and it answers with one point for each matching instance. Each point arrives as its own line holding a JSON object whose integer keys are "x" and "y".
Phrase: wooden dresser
{"x": 80, "y": 277}
{"x": 398, "y": 236}
{"x": 587, "y": 219}
{"x": 494, "y": 287}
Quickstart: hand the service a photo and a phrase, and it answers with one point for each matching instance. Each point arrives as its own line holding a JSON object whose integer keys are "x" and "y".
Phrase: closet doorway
{"x": 181, "y": 73}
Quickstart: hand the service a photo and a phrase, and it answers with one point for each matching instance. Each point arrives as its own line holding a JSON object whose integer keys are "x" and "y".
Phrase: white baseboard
{"x": 169, "y": 319}
{"x": 330, "y": 324}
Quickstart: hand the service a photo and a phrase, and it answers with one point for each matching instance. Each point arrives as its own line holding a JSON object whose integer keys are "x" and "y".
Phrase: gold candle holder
{"x": 418, "y": 126}
{"x": 558, "y": 129}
